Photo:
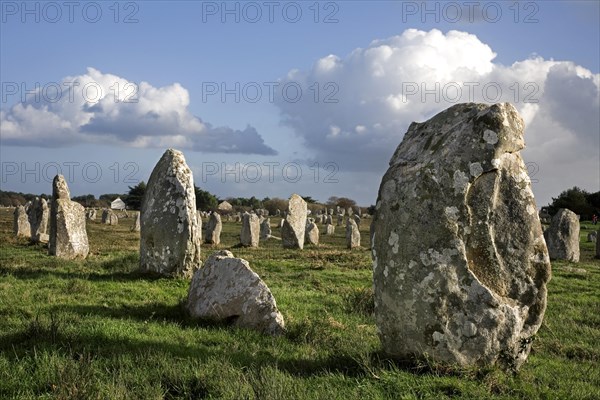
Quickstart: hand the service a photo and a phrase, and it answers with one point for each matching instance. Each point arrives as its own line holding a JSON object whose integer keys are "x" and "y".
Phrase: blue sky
{"x": 181, "y": 49}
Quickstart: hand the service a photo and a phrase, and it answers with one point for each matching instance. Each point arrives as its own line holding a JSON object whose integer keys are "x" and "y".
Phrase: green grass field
{"x": 97, "y": 329}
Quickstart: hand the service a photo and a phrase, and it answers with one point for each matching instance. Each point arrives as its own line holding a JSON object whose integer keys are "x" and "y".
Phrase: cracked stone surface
{"x": 226, "y": 288}
{"x": 169, "y": 237}
{"x": 460, "y": 264}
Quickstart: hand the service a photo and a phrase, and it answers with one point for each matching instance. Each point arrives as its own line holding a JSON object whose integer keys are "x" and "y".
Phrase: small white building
{"x": 225, "y": 207}
{"x": 117, "y": 204}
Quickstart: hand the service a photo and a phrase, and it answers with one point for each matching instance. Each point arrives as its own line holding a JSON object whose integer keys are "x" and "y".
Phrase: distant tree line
{"x": 577, "y": 200}
{"x": 204, "y": 200}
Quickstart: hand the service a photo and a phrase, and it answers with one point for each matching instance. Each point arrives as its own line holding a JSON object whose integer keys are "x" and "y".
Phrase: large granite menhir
{"x": 169, "y": 236}
{"x": 68, "y": 237}
{"x": 460, "y": 265}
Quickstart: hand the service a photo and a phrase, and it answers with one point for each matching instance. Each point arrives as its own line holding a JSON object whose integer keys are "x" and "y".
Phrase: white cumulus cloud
{"x": 379, "y": 90}
{"x": 103, "y": 108}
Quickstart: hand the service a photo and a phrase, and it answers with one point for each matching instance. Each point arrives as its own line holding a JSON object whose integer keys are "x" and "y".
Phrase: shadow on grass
{"x": 54, "y": 334}
{"x": 121, "y": 269}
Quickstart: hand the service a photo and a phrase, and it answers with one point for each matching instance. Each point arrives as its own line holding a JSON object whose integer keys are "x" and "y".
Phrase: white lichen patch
{"x": 490, "y": 136}
{"x": 475, "y": 169}
{"x": 460, "y": 182}
{"x": 451, "y": 213}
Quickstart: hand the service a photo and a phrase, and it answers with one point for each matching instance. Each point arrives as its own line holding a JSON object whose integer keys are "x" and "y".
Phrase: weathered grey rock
{"x": 460, "y": 265}
{"x": 21, "y": 226}
{"x": 199, "y": 223}
{"x": 265, "y": 229}
{"x": 592, "y": 236}
{"x": 349, "y": 211}
{"x": 68, "y": 237}
{"x": 281, "y": 221}
{"x": 292, "y": 231}
{"x": 109, "y": 217}
{"x": 340, "y": 220}
{"x": 91, "y": 214}
{"x": 562, "y": 237}
{"x": 225, "y": 288}
{"x": 38, "y": 215}
{"x": 329, "y": 229}
{"x": 136, "y": 227}
{"x": 170, "y": 239}
{"x": 213, "y": 229}
{"x": 311, "y": 235}
{"x": 250, "y": 232}
{"x": 356, "y": 219}
{"x": 352, "y": 234}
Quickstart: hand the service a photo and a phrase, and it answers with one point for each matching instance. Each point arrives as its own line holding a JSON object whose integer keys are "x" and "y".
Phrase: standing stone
{"x": 352, "y": 234}
{"x": 38, "y": 215}
{"x": 68, "y": 237}
{"x": 340, "y": 220}
{"x": 329, "y": 229}
{"x": 249, "y": 235}
{"x": 109, "y": 217}
{"x": 294, "y": 225}
{"x": 311, "y": 235}
{"x": 213, "y": 229}
{"x": 226, "y": 289}
{"x": 199, "y": 223}
{"x": 281, "y": 221}
{"x": 350, "y": 211}
{"x": 136, "y": 225}
{"x": 592, "y": 236}
{"x": 170, "y": 239}
{"x": 356, "y": 219}
{"x": 21, "y": 226}
{"x": 329, "y": 220}
{"x": 278, "y": 212}
{"x": 562, "y": 237}
{"x": 460, "y": 265}
{"x": 265, "y": 229}
{"x": 91, "y": 214}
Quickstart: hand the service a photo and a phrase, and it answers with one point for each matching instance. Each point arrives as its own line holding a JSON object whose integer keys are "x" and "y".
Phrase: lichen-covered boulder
{"x": 265, "y": 229}
{"x": 226, "y": 289}
{"x": 213, "y": 229}
{"x": 21, "y": 226}
{"x": 38, "y": 215}
{"x": 169, "y": 237}
{"x": 109, "y": 217}
{"x": 311, "y": 235}
{"x": 136, "y": 227}
{"x": 460, "y": 265}
{"x": 562, "y": 236}
{"x": 352, "y": 234}
{"x": 68, "y": 236}
{"x": 250, "y": 232}
{"x": 294, "y": 224}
